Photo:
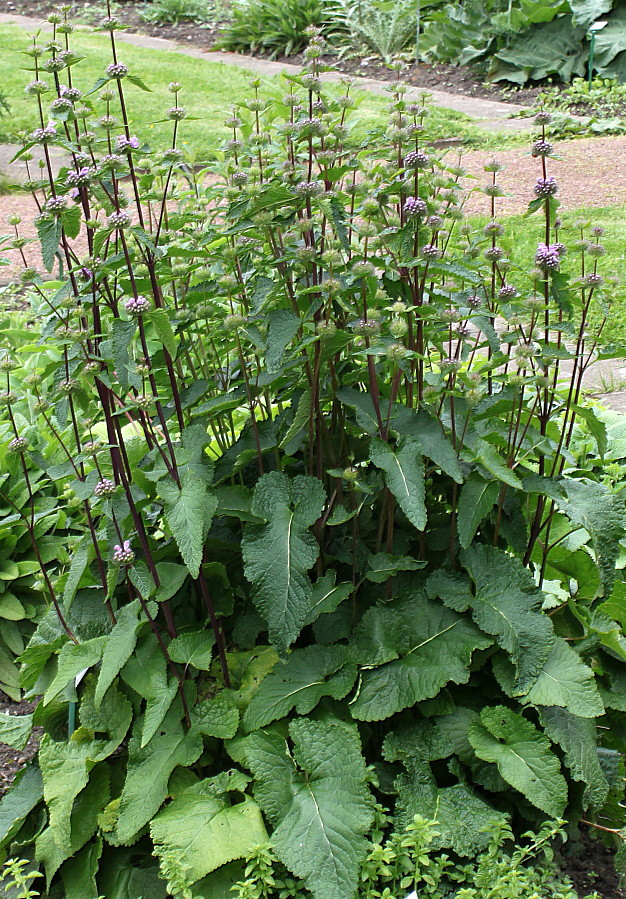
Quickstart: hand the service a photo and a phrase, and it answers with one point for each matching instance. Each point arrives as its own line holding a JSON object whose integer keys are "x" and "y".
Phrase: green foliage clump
{"x": 273, "y": 27}
{"x": 526, "y": 41}
{"x": 342, "y": 536}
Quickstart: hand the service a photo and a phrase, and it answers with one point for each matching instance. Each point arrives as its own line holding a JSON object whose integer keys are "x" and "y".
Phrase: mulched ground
{"x": 591, "y": 869}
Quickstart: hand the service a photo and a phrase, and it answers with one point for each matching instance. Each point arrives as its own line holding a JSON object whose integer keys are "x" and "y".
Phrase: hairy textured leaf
{"x": 15, "y": 730}
{"x": 278, "y": 554}
{"x": 523, "y": 756}
{"x": 194, "y": 648}
{"x": 321, "y": 812}
{"x": 74, "y": 658}
{"x": 601, "y": 512}
{"x": 80, "y": 559}
{"x": 284, "y": 324}
{"x": 564, "y": 681}
{"x": 476, "y": 500}
{"x": 434, "y": 443}
{"x": 508, "y": 605}
{"x": 215, "y": 718}
{"x": 149, "y": 769}
{"x": 382, "y": 566}
{"x": 299, "y": 683}
{"x": 404, "y": 475}
{"x": 157, "y": 707}
{"x": 49, "y": 233}
{"x": 26, "y": 791}
{"x": 409, "y": 650}
{"x": 119, "y": 647}
{"x": 84, "y": 823}
{"x": 199, "y": 831}
{"x": 65, "y": 772}
{"x": 327, "y": 595}
{"x": 578, "y": 738}
{"x": 161, "y": 321}
{"x": 462, "y": 816}
{"x": 79, "y": 873}
{"x": 189, "y": 511}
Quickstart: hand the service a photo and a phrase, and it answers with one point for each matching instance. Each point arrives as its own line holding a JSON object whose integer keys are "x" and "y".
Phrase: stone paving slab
{"x": 491, "y": 114}
{"x": 16, "y": 172}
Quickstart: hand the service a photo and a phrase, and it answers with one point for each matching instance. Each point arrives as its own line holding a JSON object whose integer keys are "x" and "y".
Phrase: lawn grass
{"x": 210, "y": 89}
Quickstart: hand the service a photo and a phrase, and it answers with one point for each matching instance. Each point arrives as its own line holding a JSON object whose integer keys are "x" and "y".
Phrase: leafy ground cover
{"x": 329, "y": 490}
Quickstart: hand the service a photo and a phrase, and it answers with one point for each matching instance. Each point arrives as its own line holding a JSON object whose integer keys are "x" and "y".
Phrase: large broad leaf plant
{"x": 344, "y": 535}
{"x": 529, "y": 41}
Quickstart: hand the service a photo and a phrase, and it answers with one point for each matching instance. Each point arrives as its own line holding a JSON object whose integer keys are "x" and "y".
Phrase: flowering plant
{"x": 325, "y": 465}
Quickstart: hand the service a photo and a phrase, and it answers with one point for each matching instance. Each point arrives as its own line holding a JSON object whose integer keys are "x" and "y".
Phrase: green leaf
{"x": 486, "y": 455}
{"x": 404, "y": 475}
{"x": 320, "y": 810}
{"x": 70, "y": 220}
{"x": 118, "y": 648}
{"x": 15, "y": 730}
{"x": 462, "y": 817}
{"x": 476, "y": 501}
{"x": 508, "y": 605}
{"x": 216, "y": 718}
{"x": 11, "y": 609}
{"x": 137, "y": 81}
{"x": 149, "y": 770}
{"x": 49, "y": 233}
{"x": 584, "y": 12}
{"x": 189, "y": 511}
{"x": 327, "y": 596}
{"x": 564, "y": 681}
{"x": 157, "y": 707}
{"x": 523, "y": 757}
{"x": 578, "y": 738}
{"x": 80, "y": 560}
{"x": 409, "y": 650}
{"x": 117, "y": 346}
{"x": 194, "y": 648}
{"x": 363, "y": 408}
{"x": 79, "y": 873}
{"x": 65, "y": 772}
{"x": 74, "y": 658}
{"x": 283, "y": 327}
{"x": 161, "y": 322}
{"x": 278, "y": 554}
{"x": 299, "y": 683}
{"x": 382, "y": 566}
{"x": 429, "y": 431}
{"x": 601, "y": 512}
{"x": 550, "y": 48}
{"x": 84, "y": 823}
{"x": 25, "y": 793}
{"x": 198, "y": 832}
{"x": 300, "y": 418}
{"x": 172, "y": 577}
